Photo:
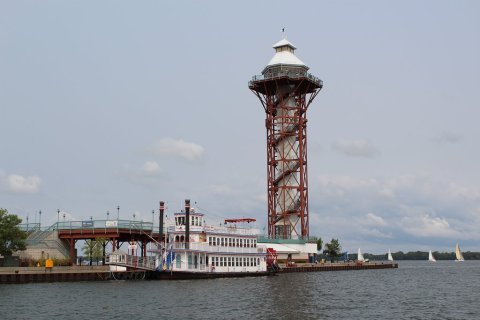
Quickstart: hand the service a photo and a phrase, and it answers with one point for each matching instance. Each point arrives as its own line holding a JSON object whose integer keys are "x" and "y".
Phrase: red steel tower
{"x": 286, "y": 89}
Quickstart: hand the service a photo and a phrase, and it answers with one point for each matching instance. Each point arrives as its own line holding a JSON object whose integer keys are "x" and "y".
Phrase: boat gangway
{"x": 121, "y": 259}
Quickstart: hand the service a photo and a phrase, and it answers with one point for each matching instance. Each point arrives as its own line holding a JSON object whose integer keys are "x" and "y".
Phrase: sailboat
{"x": 360, "y": 256}
{"x": 389, "y": 256}
{"x": 458, "y": 253}
{"x": 431, "y": 257}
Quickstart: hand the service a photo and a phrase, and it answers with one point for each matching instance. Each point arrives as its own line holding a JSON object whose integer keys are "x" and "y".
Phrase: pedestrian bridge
{"x": 115, "y": 232}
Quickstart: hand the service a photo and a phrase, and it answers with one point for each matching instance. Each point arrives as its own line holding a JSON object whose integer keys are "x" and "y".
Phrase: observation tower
{"x": 286, "y": 89}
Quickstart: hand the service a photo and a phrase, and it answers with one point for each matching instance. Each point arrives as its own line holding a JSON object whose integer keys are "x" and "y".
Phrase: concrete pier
{"x": 63, "y": 274}
{"x": 340, "y": 266}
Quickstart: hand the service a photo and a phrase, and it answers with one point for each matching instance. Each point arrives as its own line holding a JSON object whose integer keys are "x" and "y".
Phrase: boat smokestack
{"x": 160, "y": 225}
{"x": 187, "y": 223}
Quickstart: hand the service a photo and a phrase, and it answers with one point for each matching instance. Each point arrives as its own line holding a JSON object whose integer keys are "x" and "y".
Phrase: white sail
{"x": 431, "y": 257}
{"x": 389, "y": 257}
{"x": 458, "y": 254}
{"x": 360, "y": 256}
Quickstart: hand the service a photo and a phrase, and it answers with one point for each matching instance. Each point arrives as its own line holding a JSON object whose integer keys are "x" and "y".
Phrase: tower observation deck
{"x": 286, "y": 89}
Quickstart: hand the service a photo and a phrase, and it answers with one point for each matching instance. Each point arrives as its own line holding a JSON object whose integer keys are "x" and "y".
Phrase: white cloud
{"x": 25, "y": 185}
{"x": 387, "y": 193}
{"x": 448, "y": 137}
{"x": 151, "y": 168}
{"x": 355, "y": 148}
{"x": 346, "y": 182}
{"x": 148, "y": 174}
{"x": 374, "y": 220}
{"x": 425, "y": 225}
{"x": 222, "y": 189}
{"x": 375, "y": 233}
{"x": 463, "y": 192}
{"x": 177, "y": 147}
{"x": 416, "y": 210}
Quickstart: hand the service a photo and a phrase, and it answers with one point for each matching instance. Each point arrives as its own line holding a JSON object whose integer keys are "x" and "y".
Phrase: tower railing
{"x": 282, "y": 74}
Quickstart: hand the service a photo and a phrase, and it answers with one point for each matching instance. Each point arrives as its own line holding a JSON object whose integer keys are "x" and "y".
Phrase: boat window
{"x": 178, "y": 260}
{"x": 190, "y": 261}
{"x": 229, "y": 261}
{"x": 237, "y": 241}
{"x": 221, "y": 241}
{"x": 244, "y": 262}
{"x": 236, "y": 262}
{"x": 221, "y": 261}
{"x": 254, "y": 243}
{"x": 209, "y": 241}
{"x": 258, "y": 261}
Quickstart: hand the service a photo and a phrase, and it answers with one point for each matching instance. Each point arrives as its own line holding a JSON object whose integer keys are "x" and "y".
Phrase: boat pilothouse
{"x": 194, "y": 246}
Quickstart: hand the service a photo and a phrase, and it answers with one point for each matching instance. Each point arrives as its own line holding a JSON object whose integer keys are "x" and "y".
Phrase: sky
{"x": 121, "y": 103}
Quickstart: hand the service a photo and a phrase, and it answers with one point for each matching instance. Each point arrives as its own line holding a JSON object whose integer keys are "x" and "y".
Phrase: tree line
{"x": 333, "y": 252}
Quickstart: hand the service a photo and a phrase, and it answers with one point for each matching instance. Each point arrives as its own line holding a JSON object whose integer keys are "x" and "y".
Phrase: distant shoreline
{"x": 419, "y": 255}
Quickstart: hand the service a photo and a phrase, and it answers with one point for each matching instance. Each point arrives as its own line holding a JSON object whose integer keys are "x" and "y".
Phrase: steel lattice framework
{"x": 286, "y": 93}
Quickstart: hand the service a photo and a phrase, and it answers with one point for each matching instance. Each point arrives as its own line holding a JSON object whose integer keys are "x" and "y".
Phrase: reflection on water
{"x": 417, "y": 290}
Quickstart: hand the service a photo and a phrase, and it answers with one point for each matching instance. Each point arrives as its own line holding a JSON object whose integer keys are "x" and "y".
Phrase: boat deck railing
{"x": 205, "y": 247}
{"x": 231, "y": 230}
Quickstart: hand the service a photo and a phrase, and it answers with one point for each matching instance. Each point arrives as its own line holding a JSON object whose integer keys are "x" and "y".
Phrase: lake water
{"x": 416, "y": 290}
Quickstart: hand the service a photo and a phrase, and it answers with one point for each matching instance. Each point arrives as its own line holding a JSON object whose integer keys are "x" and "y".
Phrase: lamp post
{"x": 27, "y": 223}
{"x": 58, "y": 216}
{"x": 108, "y": 213}
{"x": 153, "y": 219}
{"x": 118, "y": 212}
{"x": 40, "y": 219}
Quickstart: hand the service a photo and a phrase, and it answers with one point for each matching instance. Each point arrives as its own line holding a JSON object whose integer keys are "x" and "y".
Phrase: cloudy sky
{"x": 106, "y": 103}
